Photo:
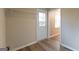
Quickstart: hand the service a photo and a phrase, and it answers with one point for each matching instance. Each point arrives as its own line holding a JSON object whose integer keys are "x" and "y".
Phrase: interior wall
{"x": 21, "y": 27}
{"x": 2, "y": 29}
{"x": 70, "y": 28}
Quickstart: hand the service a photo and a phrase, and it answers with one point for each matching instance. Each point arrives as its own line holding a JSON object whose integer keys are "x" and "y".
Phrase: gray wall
{"x": 2, "y": 29}
{"x": 21, "y": 27}
{"x": 70, "y": 28}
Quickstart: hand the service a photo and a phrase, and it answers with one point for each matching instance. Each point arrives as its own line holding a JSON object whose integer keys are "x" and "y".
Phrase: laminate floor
{"x": 52, "y": 44}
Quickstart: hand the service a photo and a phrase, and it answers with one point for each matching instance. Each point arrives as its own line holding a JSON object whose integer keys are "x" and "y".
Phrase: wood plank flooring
{"x": 52, "y": 44}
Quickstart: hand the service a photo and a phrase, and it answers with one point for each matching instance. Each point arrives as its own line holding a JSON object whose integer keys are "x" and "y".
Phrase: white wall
{"x": 2, "y": 29}
{"x": 70, "y": 28}
{"x": 21, "y": 27}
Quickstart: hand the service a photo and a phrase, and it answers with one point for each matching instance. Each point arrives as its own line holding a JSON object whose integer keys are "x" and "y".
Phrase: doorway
{"x": 54, "y": 27}
{"x": 41, "y": 24}
{"x": 54, "y": 22}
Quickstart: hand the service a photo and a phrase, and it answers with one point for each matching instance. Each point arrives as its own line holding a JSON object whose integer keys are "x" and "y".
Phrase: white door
{"x": 42, "y": 25}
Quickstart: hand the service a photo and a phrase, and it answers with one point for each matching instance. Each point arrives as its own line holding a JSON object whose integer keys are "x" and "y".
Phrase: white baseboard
{"x": 24, "y": 46}
{"x": 68, "y": 47}
{"x": 32, "y": 43}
